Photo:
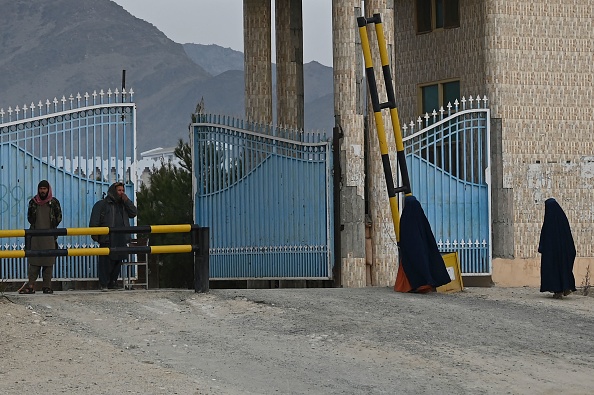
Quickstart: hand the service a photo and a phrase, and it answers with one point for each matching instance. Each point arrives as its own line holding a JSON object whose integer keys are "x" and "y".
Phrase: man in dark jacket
{"x": 114, "y": 211}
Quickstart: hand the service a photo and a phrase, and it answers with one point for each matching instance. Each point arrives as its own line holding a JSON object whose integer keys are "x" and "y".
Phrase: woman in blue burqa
{"x": 422, "y": 268}
{"x": 557, "y": 252}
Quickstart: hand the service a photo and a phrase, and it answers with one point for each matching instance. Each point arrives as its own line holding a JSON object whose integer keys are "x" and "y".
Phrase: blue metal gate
{"x": 266, "y": 195}
{"x": 80, "y": 145}
{"x": 448, "y": 163}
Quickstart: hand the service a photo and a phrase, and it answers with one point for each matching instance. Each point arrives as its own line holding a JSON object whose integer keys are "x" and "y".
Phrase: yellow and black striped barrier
{"x": 362, "y": 22}
{"x": 199, "y": 245}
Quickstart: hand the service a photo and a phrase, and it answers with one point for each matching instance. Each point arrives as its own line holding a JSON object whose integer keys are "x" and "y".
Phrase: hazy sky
{"x": 220, "y": 22}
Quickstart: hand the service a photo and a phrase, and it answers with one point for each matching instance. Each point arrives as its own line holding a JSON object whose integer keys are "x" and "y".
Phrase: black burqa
{"x": 557, "y": 249}
{"x": 421, "y": 259}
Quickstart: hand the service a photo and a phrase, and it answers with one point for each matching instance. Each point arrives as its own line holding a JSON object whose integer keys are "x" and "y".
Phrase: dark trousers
{"x": 108, "y": 270}
{"x": 46, "y": 273}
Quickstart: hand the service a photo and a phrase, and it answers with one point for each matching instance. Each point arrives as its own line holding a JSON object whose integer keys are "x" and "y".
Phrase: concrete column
{"x": 289, "y": 63}
{"x": 384, "y": 246}
{"x": 349, "y": 115}
{"x": 257, "y": 32}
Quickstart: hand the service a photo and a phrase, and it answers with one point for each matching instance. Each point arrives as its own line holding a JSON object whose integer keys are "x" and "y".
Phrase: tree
{"x": 167, "y": 201}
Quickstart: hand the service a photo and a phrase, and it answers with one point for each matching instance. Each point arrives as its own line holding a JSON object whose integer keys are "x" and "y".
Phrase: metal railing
{"x": 199, "y": 245}
{"x": 81, "y": 144}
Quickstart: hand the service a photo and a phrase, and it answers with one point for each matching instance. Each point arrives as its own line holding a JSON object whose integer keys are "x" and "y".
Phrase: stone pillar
{"x": 349, "y": 116}
{"x": 257, "y": 32}
{"x": 384, "y": 246}
{"x": 289, "y": 63}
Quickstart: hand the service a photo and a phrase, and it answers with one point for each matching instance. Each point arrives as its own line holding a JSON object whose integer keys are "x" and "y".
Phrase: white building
{"x": 154, "y": 158}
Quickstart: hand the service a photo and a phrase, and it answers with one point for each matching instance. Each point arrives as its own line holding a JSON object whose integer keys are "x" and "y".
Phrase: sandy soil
{"x": 297, "y": 341}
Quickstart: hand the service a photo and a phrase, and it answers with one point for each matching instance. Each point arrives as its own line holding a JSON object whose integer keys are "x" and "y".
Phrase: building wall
{"x": 384, "y": 247}
{"x": 539, "y": 75}
{"x": 289, "y": 63}
{"x": 257, "y": 41}
{"x": 349, "y": 116}
{"x": 533, "y": 60}
{"x": 539, "y": 78}
{"x": 439, "y": 55}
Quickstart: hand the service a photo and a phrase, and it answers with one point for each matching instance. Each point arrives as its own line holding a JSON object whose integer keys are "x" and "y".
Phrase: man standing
{"x": 114, "y": 211}
{"x": 44, "y": 212}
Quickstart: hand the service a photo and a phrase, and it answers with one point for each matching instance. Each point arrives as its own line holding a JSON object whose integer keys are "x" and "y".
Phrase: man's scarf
{"x": 49, "y": 196}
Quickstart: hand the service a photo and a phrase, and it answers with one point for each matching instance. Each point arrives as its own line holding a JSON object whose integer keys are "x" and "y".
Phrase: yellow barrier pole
{"x": 170, "y": 228}
{"x": 12, "y": 254}
{"x": 87, "y": 251}
{"x": 99, "y": 230}
{"x": 199, "y": 246}
{"x": 400, "y": 155}
{"x": 12, "y": 233}
{"x": 362, "y": 23}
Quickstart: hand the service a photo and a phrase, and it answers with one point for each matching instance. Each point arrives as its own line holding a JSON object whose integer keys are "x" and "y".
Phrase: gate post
{"x": 200, "y": 240}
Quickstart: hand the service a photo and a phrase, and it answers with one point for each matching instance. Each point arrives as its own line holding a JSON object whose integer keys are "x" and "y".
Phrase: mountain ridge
{"x": 64, "y": 47}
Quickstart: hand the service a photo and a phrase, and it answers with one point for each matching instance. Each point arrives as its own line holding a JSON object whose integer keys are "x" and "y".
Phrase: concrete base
{"x": 269, "y": 284}
{"x": 477, "y": 281}
{"x": 526, "y": 272}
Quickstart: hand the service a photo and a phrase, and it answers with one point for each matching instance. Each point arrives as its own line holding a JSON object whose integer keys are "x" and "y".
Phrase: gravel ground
{"x": 297, "y": 341}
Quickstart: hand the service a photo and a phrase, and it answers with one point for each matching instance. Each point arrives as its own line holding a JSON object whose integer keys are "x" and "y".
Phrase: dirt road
{"x": 297, "y": 341}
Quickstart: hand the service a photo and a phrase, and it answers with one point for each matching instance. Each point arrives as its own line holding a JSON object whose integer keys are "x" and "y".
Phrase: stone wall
{"x": 383, "y": 239}
{"x": 349, "y": 116}
{"x": 439, "y": 55}
{"x": 533, "y": 60}
{"x": 289, "y": 64}
{"x": 257, "y": 39}
{"x": 539, "y": 77}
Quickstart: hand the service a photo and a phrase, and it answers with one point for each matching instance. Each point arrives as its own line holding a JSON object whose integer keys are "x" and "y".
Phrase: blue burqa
{"x": 557, "y": 250}
{"x": 421, "y": 259}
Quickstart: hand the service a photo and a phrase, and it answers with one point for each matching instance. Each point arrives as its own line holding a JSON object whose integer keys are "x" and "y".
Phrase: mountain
{"x": 224, "y": 93}
{"x": 49, "y": 49}
{"x": 213, "y": 58}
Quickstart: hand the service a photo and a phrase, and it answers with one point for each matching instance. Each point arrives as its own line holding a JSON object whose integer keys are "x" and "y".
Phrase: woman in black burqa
{"x": 557, "y": 252}
{"x": 422, "y": 268}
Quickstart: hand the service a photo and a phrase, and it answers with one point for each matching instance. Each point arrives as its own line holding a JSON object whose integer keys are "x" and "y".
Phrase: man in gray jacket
{"x": 114, "y": 211}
